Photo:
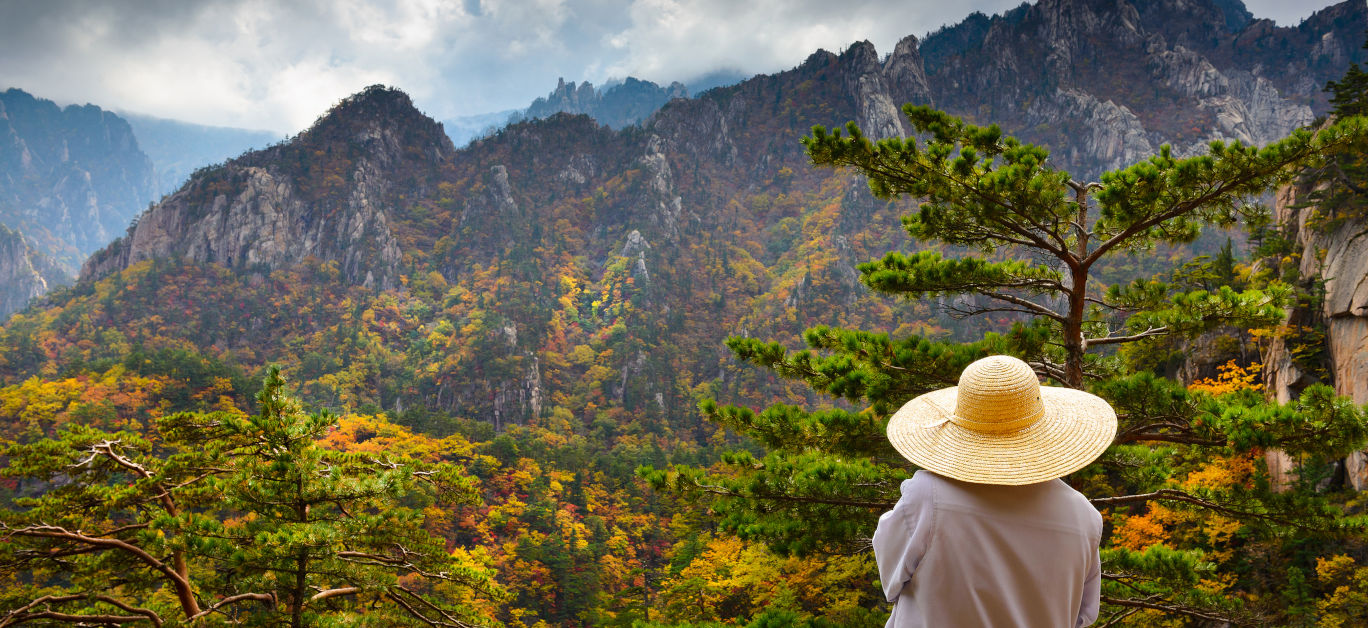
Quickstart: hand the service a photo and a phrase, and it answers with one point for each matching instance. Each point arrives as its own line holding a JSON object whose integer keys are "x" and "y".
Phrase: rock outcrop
{"x": 1337, "y": 255}
{"x": 328, "y": 194}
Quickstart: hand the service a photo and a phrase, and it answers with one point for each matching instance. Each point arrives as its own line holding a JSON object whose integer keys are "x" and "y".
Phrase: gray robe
{"x": 952, "y": 553}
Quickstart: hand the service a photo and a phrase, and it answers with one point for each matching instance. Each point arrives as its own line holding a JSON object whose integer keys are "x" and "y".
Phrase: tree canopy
{"x": 222, "y": 517}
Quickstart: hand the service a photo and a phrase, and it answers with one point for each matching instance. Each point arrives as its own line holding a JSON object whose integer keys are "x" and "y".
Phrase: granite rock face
{"x": 1339, "y": 257}
{"x": 328, "y": 194}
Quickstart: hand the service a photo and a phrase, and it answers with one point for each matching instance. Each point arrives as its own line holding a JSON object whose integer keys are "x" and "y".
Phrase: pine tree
{"x": 1338, "y": 186}
{"x": 229, "y": 518}
{"x": 1035, "y": 239}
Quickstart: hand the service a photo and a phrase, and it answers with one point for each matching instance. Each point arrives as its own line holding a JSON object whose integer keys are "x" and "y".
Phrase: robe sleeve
{"x": 903, "y": 535}
{"x": 1092, "y": 586}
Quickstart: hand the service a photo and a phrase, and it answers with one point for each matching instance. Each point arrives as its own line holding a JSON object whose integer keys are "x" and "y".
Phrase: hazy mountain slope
{"x": 178, "y": 148}
{"x": 24, "y": 273}
{"x": 70, "y": 178}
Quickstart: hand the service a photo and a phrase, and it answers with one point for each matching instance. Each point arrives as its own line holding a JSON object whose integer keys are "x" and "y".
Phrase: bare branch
{"x": 338, "y": 592}
{"x": 1112, "y": 340}
{"x": 1175, "y": 495}
{"x": 1169, "y": 607}
{"x": 234, "y": 599}
{"x": 1030, "y": 305}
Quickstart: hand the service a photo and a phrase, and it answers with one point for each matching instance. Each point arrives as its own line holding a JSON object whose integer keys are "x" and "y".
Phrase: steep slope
{"x": 560, "y": 263}
{"x": 70, "y": 178}
{"x": 1326, "y": 340}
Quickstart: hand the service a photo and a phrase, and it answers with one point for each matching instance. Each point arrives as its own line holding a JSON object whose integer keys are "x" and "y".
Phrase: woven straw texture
{"x": 999, "y": 426}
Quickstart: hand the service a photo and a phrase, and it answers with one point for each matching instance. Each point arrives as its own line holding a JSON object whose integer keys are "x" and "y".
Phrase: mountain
{"x": 178, "y": 148}
{"x": 709, "y": 206}
{"x": 617, "y": 106}
{"x": 280, "y": 205}
{"x": 464, "y": 129}
{"x": 1111, "y": 80}
{"x": 70, "y": 178}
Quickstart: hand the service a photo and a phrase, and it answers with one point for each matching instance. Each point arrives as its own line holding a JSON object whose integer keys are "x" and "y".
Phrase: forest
{"x": 522, "y": 434}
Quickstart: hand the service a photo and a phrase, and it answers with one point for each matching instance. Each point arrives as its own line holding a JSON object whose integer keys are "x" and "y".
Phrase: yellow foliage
{"x": 1347, "y": 604}
{"x": 1232, "y": 378}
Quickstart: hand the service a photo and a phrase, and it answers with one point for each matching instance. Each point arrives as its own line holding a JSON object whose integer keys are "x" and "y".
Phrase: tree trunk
{"x": 1074, "y": 347}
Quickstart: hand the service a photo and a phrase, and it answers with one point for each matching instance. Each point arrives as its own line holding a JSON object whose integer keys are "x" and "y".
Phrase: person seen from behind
{"x": 986, "y": 534}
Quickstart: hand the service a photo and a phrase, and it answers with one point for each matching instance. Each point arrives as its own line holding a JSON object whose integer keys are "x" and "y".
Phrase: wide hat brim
{"x": 1074, "y": 430}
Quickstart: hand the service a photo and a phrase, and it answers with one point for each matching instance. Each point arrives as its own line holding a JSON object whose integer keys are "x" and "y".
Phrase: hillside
{"x": 558, "y": 293}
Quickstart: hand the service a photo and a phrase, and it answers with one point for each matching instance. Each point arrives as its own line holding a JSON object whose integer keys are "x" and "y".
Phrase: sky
{"x": 278, "y": 64}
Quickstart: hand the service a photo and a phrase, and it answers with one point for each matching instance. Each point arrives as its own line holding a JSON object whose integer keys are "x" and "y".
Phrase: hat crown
{"x": 997, "y": 394}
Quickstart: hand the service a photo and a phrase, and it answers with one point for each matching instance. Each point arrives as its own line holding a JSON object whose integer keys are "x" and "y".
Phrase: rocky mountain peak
{"x": 378, "y": 114}
{"x": 332, "y": 192}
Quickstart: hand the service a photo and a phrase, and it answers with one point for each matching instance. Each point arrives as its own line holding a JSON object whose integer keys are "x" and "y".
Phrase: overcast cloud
{"x": 278, "y": 64}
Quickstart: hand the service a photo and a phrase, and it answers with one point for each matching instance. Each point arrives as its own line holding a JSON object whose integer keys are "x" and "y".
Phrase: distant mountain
{"x": 464, "y": 129}
{"x": 618, "y": 106}
{"x": 70, "y": 177}
{"x": 178, "y": 148}
{"x": 1110, "y": 81}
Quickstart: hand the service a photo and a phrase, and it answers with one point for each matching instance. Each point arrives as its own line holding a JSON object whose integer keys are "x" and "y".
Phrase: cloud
{"x": 278, "y": 64}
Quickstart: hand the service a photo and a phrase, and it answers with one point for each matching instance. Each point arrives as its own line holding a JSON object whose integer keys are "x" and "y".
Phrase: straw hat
{"x": 999, "y": 426}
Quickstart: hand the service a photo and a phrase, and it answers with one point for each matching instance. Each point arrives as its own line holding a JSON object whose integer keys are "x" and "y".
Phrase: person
{"x": 986, "y": 534}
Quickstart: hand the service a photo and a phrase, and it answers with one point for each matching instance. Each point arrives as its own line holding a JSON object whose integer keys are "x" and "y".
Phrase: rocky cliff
{"x": 1333, "y": 255}
{"x": 330, "y": 193}
{"x": 70, "y": 178}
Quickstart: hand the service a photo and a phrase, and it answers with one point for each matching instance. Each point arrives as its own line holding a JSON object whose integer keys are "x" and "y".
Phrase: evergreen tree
{"x": 1036, "y": 238}
{"x": 1338, "y": 186}
{"x": 227, "y": 518}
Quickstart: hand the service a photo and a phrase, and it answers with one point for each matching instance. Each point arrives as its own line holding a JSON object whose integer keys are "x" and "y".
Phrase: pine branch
{"x": 22, "y": 615}
{"x": 1169, "y": 606}
{"x": 1114, "y": 340}
{"x": 234, "y": 599}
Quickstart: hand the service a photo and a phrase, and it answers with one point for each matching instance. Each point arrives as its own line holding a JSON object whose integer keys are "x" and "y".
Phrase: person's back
{"x": 954, "y": 553}
{"x": 986, "y": 534}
